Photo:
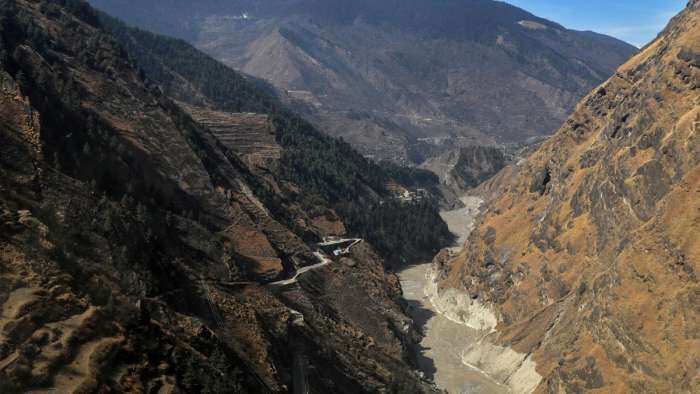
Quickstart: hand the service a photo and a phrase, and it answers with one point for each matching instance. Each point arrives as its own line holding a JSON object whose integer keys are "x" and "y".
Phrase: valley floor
{"x": 440, "y": 352}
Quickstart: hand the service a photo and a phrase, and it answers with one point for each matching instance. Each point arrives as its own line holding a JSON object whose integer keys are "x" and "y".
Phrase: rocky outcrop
{"x": 588, "y": 251}
{"x": 459, "y": 306}
{"x": 517, "y": 371}
{"x": 477, "y": 164}
{"x": 462, "y": 169}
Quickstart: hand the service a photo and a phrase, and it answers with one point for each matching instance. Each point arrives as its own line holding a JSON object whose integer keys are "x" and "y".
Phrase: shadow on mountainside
{"x": 421, "y": 316}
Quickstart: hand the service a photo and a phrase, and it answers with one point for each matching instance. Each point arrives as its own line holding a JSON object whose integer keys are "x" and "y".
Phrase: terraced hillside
{"x": 250, "y": 135}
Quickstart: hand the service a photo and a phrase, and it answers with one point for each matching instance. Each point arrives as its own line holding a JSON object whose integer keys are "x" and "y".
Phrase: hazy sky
{"x": 634, "y": 21}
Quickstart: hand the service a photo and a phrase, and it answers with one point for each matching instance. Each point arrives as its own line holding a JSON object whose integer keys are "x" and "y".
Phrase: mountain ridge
{"x": 582, "y": 253}
{"x": 389, "y": 77}
{"x": 354, "y": 186}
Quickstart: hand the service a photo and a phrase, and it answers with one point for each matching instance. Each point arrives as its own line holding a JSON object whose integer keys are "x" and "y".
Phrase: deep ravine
{"x": 440, "y": 352}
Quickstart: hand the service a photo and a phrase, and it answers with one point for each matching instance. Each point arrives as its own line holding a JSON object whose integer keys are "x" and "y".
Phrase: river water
{"x": 444, "y": 340}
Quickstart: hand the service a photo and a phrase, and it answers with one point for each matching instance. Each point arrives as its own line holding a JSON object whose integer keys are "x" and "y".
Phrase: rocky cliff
{"x": 137, "y": 246}
{"x": 589, "y": 253}
{"x": 400, "y": 80}
{"x": 465, "y": 168}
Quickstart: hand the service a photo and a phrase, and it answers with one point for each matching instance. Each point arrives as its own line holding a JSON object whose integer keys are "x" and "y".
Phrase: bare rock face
{"x": 136, "y": 248}
{"x": 588, "y": 253}
{"x": 405, "y": 80}
{"x": 465, "y": 168}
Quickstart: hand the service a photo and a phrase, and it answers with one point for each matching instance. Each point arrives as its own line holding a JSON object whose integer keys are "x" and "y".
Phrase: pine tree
{"x": 141, "y": 214}
{"x": 56, "y": 162}
{"x": 21, "y": 80}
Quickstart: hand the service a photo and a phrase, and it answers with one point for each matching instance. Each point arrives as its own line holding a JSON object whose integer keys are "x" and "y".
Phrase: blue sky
{"x": 634, "y": 21}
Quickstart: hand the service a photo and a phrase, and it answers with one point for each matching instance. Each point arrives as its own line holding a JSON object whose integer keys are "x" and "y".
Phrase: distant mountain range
{"x": 400, "y": 80}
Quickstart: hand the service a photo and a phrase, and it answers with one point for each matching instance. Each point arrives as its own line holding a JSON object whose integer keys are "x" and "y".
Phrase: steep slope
{"x": 587, "y": 260}
{"x": 465, "y": 168}
{"x": 357, "y": 188}
{"x": 135, "y": 247}
{"x": 400, "y": 80}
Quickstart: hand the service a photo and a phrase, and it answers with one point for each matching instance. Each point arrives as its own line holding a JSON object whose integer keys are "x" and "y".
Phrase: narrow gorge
{"x": 171, "y": 225}
{"x": 455, "y": 352}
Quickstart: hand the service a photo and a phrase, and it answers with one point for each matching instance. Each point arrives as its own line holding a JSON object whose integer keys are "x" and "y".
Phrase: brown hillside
{"x": 590, "y": 255}
{"x": 136, "y": 248}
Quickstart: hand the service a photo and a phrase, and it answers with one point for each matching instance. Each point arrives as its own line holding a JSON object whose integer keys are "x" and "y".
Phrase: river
{"x": 444, "y": 340}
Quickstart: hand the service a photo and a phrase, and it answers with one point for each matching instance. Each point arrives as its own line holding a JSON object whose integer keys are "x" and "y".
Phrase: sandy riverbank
{"x": 445, "y": 340}
{"x": 454, "y": 351}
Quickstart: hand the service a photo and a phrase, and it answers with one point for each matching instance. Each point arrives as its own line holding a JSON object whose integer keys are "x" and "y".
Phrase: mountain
{"x": 467, "y": 167}
{"x": 358, "y": 189}
{"x": 399, "y": 80}
{"x": 151, "y": 244}
{"x": 584, "y": 265}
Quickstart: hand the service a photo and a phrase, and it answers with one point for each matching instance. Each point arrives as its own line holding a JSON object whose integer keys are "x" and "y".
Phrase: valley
{"x": 272, "y": 200}
{"x": 401, "y": 81}
{"x": 439, "y": 354}
{"x": 455, "y": 350}
{"x": 440, "y": 351}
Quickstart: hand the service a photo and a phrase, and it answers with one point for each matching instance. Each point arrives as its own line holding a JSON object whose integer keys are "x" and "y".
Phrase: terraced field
{"x": 249, "y": 134}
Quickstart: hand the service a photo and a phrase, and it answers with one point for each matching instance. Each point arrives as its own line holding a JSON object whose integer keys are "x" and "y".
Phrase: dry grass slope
{"x": 590, "y": 253}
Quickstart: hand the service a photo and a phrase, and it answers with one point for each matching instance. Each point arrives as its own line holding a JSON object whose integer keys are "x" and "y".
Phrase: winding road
{"x": 323, "y": 260}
